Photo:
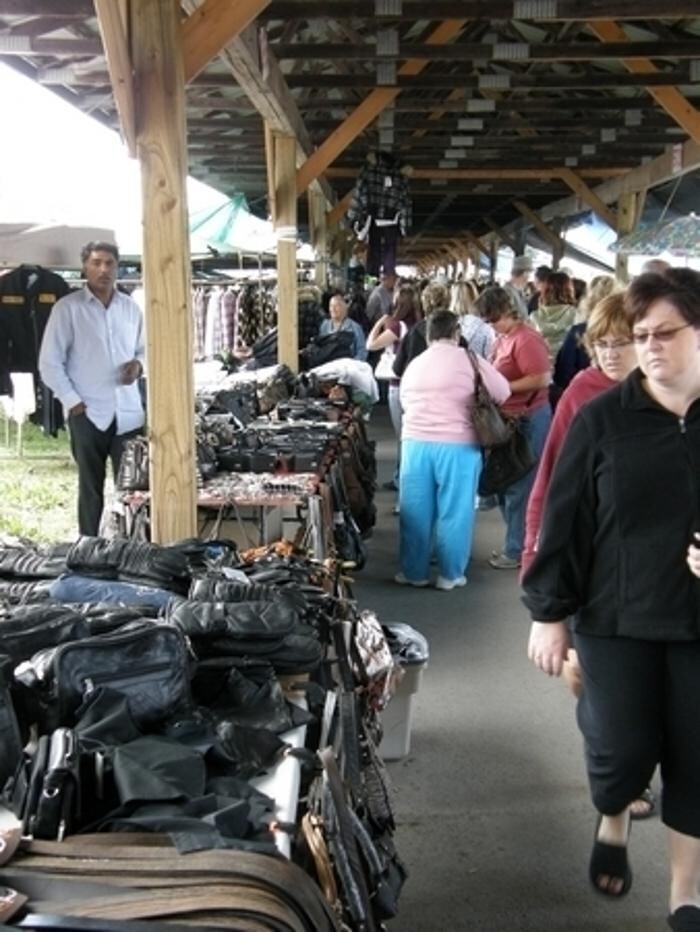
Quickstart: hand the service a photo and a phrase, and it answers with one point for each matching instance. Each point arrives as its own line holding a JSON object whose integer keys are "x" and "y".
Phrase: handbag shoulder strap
{"x": 479, "y": 386}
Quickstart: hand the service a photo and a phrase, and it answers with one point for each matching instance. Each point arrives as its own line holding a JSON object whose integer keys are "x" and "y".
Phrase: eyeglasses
{"x": 614, "y": 347}
{"x": 641, "y": 337}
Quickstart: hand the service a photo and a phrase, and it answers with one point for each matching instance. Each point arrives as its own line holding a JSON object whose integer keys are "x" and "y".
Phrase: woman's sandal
{"x": 646, "y": 797}
{"x": 611, "y": 861}
{"x": 685, "y": 919}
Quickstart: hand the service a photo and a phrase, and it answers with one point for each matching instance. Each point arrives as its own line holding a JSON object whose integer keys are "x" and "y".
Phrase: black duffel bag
{"x": 144, "y": 660}
{"x": 337, "y": 345}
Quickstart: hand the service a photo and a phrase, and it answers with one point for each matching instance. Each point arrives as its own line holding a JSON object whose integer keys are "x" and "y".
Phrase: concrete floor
{"x": 494, "y": 819}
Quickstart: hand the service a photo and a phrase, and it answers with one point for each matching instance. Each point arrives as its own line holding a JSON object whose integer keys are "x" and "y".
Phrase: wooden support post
{"x": 626, "y": 222}
{"x": 270, "y": 167}
{"x": 286, "y": 229}
{"x": 319, "y": 236}
{"x": 162, "y": 152}
{"x": 549, "y": 235}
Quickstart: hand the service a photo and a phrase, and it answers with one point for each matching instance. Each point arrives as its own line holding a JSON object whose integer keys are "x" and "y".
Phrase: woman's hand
{"x": 548, "y": 646}
{"x": 694, "y": 555}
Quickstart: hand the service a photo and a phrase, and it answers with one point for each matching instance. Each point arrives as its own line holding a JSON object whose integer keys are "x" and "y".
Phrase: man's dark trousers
{"x": 91, "y": 447}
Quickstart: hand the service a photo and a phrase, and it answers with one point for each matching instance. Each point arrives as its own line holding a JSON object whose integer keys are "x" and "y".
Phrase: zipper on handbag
{"x": 146, "y": 674}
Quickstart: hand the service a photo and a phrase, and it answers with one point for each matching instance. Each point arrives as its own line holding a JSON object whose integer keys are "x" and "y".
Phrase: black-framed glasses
{"x": 641, "y": 337}
{"x": 613, "y": 347}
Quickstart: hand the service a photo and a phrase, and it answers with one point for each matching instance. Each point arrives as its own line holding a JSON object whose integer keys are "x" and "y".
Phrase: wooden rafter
{"x": 487, "y": 174}
{"x": 588, "y": 196}
{"x": 670, "y": 98}
{"x": 335, "y": 214}
{"x": 368, "y": 110}
{"x": 211, "y": 27}
{"x": 111, "y": 19}
{"x": 545, "y": 232}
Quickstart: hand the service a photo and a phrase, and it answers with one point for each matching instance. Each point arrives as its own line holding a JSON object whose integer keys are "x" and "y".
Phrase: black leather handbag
{"x": 145, "y": 661}
{"x": 506, "y": 463}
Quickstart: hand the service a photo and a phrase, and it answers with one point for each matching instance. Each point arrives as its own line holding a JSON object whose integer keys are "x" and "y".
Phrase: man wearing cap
{"x": 519, "y": 277}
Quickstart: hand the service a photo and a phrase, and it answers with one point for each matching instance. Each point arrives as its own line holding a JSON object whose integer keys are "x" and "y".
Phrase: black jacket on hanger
{"x": 27, "y": 295}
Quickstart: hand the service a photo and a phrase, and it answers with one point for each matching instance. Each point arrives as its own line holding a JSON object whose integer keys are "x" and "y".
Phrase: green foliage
{"x": 38, "y": 489}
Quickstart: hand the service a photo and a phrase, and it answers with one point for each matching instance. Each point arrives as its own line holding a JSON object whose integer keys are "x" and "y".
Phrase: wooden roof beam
{"x": 676, "y": 161}
{"x": 561, "y": 11}
{"x": 211, "y": 27}
{"x": 476, "y": 242}
{"x": 588, "y": 196}
{"x": 112, "y": 22}
{"x": 487, "y": 174}
{"x": 502, "y": 234}
{"x": 368, "y": 110}
{"x": 336, "y": 214}
{"x": 483, "y": 53}
{"x": 268, "y": 92}
{"x": 670, "y": 98}
{"x": 545, "y": 232}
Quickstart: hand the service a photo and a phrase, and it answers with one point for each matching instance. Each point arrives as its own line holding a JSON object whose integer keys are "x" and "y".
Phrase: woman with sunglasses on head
{"x": 613, "y": 553}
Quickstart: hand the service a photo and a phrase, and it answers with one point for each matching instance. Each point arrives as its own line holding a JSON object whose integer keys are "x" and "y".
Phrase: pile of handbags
{"x": 186, "y": 673}
{"x": 153, "y": 716}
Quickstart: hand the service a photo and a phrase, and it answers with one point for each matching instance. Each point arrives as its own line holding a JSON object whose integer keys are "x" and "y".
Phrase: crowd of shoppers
{"x": 606, "y": 525}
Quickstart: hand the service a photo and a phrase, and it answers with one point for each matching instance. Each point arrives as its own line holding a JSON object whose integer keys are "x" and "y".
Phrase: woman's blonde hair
{"x": 608, "y": 316}
{"x": 462, "y": 297}
{"x": 434, "y": 297}
{"x": 598, "y": 288}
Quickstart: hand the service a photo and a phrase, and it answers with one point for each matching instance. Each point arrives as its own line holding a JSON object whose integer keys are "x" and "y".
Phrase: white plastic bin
{"x": 410, "y": 650}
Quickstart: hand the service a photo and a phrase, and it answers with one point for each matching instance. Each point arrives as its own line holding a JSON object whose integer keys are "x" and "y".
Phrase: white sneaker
{"x": 447, "y": 584}
{"x": 405, "y": 581}
{"x": 499, "y": 561}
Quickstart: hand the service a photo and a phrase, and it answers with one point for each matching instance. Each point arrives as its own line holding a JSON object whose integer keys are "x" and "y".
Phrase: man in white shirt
{"x": 91, "y": 357}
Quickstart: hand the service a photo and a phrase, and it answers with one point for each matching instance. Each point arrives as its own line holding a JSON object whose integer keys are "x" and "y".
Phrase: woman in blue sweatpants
{"x": 440, "y": 456}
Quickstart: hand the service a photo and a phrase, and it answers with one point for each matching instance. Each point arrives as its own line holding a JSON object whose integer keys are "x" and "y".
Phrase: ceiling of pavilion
{"x": 542, "y": 91}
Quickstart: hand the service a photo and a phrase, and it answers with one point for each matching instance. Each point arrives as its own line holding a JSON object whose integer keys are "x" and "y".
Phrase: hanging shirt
{"x": 84, "y": 346}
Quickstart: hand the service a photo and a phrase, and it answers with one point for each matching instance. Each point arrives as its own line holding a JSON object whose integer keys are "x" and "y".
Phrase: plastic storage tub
{"x": 410, "y": 650}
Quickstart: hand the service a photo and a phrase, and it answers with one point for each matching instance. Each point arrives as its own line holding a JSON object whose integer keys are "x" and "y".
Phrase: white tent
{"x": 51, "y": 245}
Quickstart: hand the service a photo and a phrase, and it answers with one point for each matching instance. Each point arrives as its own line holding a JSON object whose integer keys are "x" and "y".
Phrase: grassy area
{"x": 37, "y": 489}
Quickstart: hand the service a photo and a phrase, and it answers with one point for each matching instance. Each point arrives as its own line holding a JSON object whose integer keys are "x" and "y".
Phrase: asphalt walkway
{"x": 494, "y": 819}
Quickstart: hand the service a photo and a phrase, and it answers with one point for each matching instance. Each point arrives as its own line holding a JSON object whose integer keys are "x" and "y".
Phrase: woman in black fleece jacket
{"x": 621, "y": 512}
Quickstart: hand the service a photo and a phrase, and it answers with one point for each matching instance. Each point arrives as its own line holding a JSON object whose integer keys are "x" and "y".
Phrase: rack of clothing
{"x": 27, "y": 296}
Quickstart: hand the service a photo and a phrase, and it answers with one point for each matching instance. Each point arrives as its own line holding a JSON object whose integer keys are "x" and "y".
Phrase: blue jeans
{"x": 437, "y": 493}
{"x": 513, "y": 501}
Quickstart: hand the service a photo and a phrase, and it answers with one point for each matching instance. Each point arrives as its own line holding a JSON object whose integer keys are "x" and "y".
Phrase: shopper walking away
{"x": 622, "y": 507}
{"x": 91, "y": 357}
{"x": 521, "y": 355}
{"x": 440, "y": 455}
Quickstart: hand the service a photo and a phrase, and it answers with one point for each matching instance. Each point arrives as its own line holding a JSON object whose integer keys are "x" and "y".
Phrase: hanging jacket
{"x": 27, "y": 296}
{"x": 381, "y": 194}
